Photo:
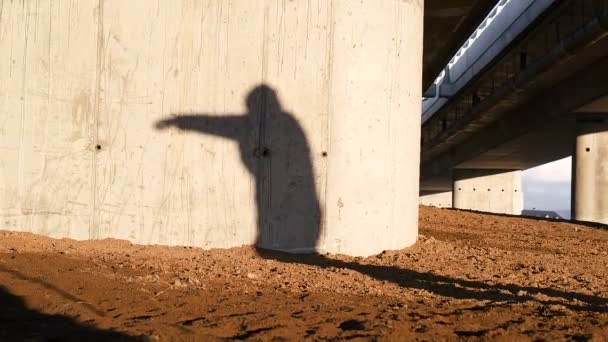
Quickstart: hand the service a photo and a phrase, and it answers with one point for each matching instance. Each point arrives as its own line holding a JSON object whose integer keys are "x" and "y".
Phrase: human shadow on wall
{"x": 275, "y": 151}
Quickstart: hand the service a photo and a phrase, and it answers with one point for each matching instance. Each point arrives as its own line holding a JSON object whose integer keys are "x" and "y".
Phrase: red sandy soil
{"x": 470, "y": 277}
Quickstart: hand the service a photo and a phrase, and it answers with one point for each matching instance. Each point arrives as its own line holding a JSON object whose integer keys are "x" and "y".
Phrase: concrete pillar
{"x": 493, "y": 191}
{"x": 590, "y": 170}
{"x": 90, "y": 146}
{"x": 436, "y": 198}
{"x": 373, "y": 173}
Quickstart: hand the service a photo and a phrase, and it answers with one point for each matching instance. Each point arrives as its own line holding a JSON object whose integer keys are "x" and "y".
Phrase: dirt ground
{"x": 471, "y": 276}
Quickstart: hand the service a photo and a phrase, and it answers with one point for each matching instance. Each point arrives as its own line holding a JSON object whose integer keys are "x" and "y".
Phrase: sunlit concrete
{"x": 439, "y": 199}
{"x": 530, "y": 120}
{"x": 494, "y": 191}
{"x": 447, "y": 25}
{"x": 85, "y": 84}
{"x": 590, "y": 169}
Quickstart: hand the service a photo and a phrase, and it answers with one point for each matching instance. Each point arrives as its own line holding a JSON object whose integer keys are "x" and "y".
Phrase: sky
{"x": 547, "y": 187}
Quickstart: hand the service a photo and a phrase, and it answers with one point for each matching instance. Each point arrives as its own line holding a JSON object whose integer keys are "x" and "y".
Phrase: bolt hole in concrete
{"x": 324, "y": 154}
{"x": 488, "y": 189}
{"x": 503, "y": 190}
{"x": 98, "y": 147}
{"x": 474, "y": 189}
{"x": 587, "y": 149}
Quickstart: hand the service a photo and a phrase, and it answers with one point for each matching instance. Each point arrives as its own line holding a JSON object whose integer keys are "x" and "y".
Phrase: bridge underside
{"x": 447, "y": 25}
{"x": 539, "y": 110}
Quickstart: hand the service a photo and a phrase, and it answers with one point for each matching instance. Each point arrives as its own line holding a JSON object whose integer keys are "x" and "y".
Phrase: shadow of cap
{"x": 262, "y": 97}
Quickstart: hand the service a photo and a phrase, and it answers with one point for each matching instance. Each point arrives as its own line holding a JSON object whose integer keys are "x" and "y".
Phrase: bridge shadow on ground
{"x": 452, "y": 287}
{"x": 20, "y": 323}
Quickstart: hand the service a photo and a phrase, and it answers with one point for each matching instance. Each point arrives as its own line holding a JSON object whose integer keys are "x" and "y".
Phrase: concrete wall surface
{"x": 439, "y": 199}
{"x": 494, "y": 191}
{"x": 290, "y": 124}
{"x": 590, "y": 170}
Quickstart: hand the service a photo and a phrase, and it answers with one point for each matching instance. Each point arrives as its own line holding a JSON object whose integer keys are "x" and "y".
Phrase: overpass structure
{"x": 292, "y": 125}
{"x": 541, "y": 96}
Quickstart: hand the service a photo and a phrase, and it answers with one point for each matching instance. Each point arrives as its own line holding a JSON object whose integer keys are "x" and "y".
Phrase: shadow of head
{"x": 263, "y": 99}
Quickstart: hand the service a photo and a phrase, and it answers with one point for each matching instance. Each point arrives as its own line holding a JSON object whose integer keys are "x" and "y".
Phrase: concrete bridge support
{"x": 590, "y": 170}
{"x": 303, "y": 133}
{"x": 436, "y": 198}
{"x": 494, "y": 191}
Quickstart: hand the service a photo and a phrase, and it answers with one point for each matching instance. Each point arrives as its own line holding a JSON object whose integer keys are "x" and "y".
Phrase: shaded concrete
{"x": 84, "y": 84}
{"x": 494, "y": 191}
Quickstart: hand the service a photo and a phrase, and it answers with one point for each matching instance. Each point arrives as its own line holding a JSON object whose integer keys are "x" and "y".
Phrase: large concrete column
{"x": 590, "y": 170}
{"x": 493, "y": 191}
{"x": 305, "y": 136}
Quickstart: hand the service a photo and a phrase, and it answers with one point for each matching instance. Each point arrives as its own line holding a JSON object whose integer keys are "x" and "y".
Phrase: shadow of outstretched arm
{"x": 228, "y": 126}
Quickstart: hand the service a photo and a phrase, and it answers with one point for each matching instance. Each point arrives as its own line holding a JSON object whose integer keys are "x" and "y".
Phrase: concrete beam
{"x": 590, "y": 170}
{"x": 447, "y": 25}
{"x": 470, "y": 143}
{"x": 446, "y": 90}
{"x": 493, "y": 191}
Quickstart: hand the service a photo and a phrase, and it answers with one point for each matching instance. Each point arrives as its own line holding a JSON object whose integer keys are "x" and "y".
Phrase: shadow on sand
{"x": 20, "y": 323}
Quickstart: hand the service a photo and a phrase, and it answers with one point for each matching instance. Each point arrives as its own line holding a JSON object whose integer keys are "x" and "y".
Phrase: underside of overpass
{"x": 528, "y": 108}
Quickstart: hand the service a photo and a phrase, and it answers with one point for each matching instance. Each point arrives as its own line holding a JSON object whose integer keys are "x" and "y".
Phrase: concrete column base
{"x": 494, "y": 191}
{"x": 590, "y": 170}
{"x": 436, "y": 198}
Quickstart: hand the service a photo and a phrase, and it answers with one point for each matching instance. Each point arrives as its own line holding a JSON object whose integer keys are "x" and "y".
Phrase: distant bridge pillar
{"x": 440, "y": 198}
{"x": 494, "y": 191}
{"x": 436, "y": 191}
{"x": 436, "y": 198}
{"x": 590, "y": 170}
